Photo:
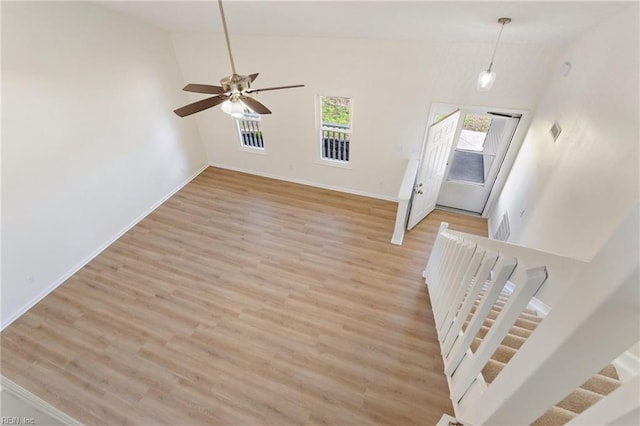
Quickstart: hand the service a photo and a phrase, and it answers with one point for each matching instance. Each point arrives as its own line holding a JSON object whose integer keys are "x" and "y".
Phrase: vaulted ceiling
{"x": 549, "y": 22}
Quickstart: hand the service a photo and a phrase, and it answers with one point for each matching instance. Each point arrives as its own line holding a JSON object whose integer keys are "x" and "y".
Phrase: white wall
{"x": 89, "y": 139}
{"x": 392, "y": 85}
{"x": 574, "y": 192}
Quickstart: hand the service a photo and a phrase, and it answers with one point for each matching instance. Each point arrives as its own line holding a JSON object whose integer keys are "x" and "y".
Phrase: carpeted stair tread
{"x": 475, "y": 345}
{"x": 502, "y": 299}
{"x": 513, "y": 341}
{"x": 509, "y": 341}
{"x": 520, "y": 328}
{"x": 530, "y": 322}
{"x": 579, "y": 400}
{"x": 523, "y": 323}
{"x": 519, "y": 331}
{"x": 527, "y": 311}
{"x": 520, "y": 323}
{"x": 482, "y": 332}
{"x": 503, "y": 354}
{"x": 554, "y": 417}
{"x": 528, "y": 314}
{"x": 491, "y": 370}
{"x": 601, "y": 384}
{"x": 531, "y": 318}
{"x": 594, "y": 389}
{"x": 609, "y": 371}
{"x": 514, "y": 330}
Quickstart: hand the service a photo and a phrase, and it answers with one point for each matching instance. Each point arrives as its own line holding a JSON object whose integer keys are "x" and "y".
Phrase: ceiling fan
{"x": 234, "y": 93}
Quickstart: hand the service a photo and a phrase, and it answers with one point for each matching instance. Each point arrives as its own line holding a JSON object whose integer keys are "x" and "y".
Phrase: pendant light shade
{"x": 485, "y": 80}
{"x": 233, "y": 107}
{"x": 488, "y": 77}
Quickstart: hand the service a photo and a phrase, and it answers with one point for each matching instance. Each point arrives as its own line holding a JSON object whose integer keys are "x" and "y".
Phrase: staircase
{"x": 590, "y": 392}
{"x": 505, "y": 364}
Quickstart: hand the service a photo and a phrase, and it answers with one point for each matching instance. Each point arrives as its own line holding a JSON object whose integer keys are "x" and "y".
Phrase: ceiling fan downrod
{"x": 226, "y": 36}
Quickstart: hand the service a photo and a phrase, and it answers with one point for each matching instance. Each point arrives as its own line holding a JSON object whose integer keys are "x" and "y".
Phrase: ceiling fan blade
{"x": 255, "y": 105}
{"x": 253, "y": 76}
{"x": 274, "y": 88}
{"x": 204, "y": 88}
{"x": 200, "y": 105}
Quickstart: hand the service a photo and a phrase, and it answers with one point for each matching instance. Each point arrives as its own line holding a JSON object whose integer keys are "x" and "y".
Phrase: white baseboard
{"x": 36, "y": 403}
{"x": 100, "y": 249}
{"x": 305, "y": 182}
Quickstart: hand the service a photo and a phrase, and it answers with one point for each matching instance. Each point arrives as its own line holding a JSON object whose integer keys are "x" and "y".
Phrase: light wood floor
{"x": 244, "y": 300}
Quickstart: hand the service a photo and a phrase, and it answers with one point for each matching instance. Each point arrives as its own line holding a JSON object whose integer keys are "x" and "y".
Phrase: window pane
{"x": 468, "y": 164}
{"x": 335, "y": 132}
{"x": 336, "y": 110}
{"x": 250, "y": 131}
{"x": 474, "y": 132}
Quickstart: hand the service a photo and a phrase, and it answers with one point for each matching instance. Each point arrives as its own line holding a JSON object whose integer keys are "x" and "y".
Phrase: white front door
{"x": 435, "y": 151}
{"x": 474, "y": 163}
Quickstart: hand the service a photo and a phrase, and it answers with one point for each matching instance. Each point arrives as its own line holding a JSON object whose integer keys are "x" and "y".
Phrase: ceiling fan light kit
{"x": 488, "y": 76}
{"x": 234, "y": 108}
{"x": 233, "y": 92}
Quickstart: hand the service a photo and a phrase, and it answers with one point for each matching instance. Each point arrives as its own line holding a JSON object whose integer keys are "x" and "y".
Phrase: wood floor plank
{"x": 244, "y": 300}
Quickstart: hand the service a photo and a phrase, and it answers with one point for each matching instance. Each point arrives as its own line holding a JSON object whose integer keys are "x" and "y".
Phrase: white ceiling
{"x": 550, "y": 22}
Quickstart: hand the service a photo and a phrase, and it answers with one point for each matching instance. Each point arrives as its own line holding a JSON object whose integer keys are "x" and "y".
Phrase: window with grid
{"x": 335, "y": 128}
{"x": 250, "y": 130}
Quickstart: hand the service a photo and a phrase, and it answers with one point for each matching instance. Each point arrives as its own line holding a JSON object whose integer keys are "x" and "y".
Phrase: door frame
{"x": 509, "y": 157}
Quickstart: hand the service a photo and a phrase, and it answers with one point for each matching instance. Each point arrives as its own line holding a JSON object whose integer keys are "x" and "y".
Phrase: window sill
{"x": 261, "y": 151}
{"x": 334, "y": 163}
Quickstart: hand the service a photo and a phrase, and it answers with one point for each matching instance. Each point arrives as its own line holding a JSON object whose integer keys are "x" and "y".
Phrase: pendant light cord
{"x": 503, "y": 21}
{"x": 226, "y": 37}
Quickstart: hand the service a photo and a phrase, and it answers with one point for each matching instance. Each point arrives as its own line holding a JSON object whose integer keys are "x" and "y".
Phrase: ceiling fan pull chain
{"x": 226, "y": 36}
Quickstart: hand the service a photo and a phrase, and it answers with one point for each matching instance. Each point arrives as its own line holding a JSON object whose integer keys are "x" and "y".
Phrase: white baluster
{"x": 526, "y": 283}
{"x": 488, "y": 262}
{"x": 463, "y": 289}
{"x": 461, "y": 267}
{"x": 504, "y": 268}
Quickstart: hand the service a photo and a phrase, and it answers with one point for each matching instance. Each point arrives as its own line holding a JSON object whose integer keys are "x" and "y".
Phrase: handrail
{"x": 562, "y": 269}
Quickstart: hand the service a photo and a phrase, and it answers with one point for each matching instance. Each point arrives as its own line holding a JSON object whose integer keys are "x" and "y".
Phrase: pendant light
{"x": 487, "y": 77}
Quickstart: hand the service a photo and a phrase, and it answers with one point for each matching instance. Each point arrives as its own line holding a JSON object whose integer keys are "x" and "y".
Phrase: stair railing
{"x": 594, "y": 317}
